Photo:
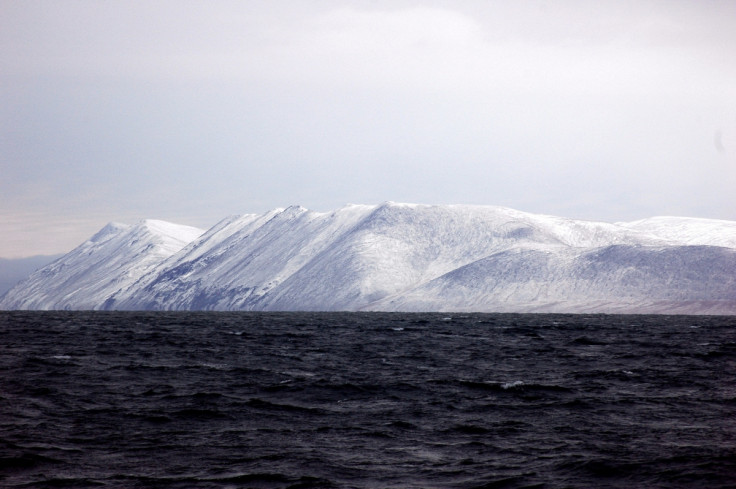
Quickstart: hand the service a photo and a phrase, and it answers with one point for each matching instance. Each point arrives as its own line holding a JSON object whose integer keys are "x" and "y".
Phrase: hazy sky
{"x": 192, "y": 111}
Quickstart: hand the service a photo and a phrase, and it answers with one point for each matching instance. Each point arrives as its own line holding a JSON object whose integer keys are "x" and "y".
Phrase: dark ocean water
{"x": 353, "y": 400}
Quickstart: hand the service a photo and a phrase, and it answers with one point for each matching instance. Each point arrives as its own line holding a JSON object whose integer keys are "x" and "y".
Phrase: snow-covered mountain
{"x": 403, "y": 257}
{"x": 113, "y": 258}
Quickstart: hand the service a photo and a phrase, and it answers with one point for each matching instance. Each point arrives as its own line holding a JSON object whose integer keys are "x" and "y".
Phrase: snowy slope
{"x": 295, "y": 259}
{"x": 113, "y": 258}
{"x": 399, "y": 246}
{"x": 406, "y": 257}
{"x": 688, "y": 230}
{"x": 243, "y": 261}
{"x": 611, "y": 279}
{"x": 387, "y": 257}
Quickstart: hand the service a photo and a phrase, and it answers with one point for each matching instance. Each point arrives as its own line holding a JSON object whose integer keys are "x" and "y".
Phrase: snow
{"x": 394, "y": 256}
{"x": 236, "y": 266}
{"x": 617, "y": 278}
{"x": 173, "y": 237}
{"x": 88, "y": 275}
{"x": 688, "y": 230}
{"x": 109, "y": 231}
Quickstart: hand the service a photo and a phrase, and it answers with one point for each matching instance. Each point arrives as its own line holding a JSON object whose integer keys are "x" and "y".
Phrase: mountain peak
{"x": 109, "y": 230}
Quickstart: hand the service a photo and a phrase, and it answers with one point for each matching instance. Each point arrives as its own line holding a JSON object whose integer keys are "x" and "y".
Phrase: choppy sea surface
{"x": 366, "y": 400}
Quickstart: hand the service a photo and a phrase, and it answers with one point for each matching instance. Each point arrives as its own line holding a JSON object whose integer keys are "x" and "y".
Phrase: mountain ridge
{"x": 396, "y": 256}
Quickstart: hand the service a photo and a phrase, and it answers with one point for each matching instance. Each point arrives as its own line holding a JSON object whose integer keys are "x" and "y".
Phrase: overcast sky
{"x": 193, "y": 111}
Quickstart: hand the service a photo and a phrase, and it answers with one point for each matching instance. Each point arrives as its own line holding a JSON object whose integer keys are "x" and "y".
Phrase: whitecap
{"x": 214, "y": 366}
